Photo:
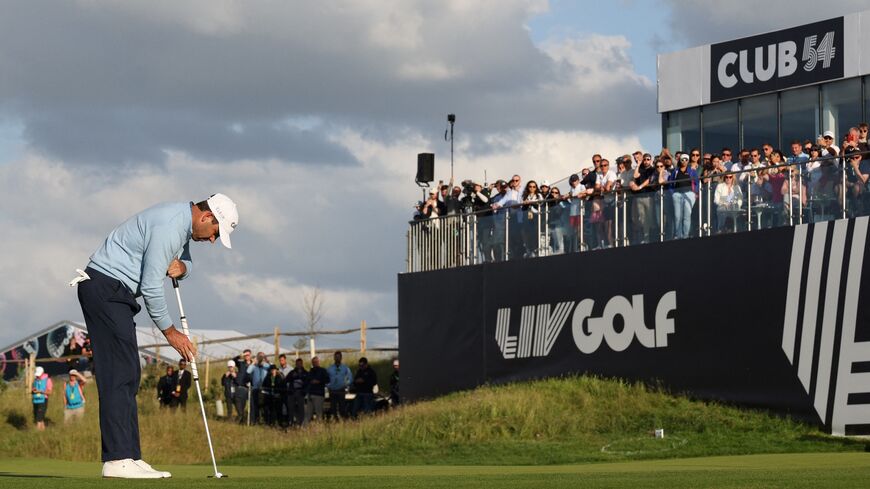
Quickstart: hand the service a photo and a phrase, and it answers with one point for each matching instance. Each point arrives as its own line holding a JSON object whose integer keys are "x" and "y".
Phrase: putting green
{"x": 781, "y": 470}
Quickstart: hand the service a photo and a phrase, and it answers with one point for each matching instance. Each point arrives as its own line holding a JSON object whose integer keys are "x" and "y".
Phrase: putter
{"x": 217, "y": 475}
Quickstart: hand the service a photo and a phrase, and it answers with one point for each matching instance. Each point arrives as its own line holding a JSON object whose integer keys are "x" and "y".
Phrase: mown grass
{"x": 556, "y": 421}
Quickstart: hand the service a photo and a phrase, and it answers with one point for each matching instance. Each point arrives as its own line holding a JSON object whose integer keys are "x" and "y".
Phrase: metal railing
{"x": 787, "y": 194}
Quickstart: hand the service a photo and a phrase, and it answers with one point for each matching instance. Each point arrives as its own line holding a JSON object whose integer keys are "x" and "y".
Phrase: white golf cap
{"x": 545, "y": 183}
{"x": 684, "y": 156}
{"x": 39, "y": 371}
{"x": 828, "y": 134}
{"x": 231, "y": 363}
{"x": 224, "y": 209}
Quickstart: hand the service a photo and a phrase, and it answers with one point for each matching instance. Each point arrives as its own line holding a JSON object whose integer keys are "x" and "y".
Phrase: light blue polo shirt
{"x": 139, "y": 251}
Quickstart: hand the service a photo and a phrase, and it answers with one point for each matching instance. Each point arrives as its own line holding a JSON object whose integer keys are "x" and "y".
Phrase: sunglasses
{"x": 660, "y": 166}
{"x": 726, "y": 154}
{"x": 515, "y": 180}
{"x": 696, "y": 154}
{"x": 596, "y": 161}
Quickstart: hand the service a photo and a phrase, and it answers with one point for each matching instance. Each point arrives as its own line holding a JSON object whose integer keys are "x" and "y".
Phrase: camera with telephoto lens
{"x": 468, "y": 187}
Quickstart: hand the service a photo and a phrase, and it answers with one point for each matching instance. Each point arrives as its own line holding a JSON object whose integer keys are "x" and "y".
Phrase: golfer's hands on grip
{"x": 181, "y": 343}
{"x": 176, "y": 269}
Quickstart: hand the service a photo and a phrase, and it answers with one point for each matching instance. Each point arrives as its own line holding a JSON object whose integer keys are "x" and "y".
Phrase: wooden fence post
{"x": 277, "y": 344}
{"x": 207, "y": 361}
{"x": 362, "y": 338}
{"x": 313, "y": 351}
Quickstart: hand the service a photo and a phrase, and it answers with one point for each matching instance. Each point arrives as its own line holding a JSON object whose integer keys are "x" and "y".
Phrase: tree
{"x": 313, "y": 303}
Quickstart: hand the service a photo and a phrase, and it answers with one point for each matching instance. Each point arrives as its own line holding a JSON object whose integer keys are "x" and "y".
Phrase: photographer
{"x": 476, "y": 202}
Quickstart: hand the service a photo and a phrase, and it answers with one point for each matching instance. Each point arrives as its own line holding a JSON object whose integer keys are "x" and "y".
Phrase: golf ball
{"x": 218, "y": 475}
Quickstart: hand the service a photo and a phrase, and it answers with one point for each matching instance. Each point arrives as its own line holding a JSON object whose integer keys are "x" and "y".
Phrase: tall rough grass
{"x": 549, "y": 421}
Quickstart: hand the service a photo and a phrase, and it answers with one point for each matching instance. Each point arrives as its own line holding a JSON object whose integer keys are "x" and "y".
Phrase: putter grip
{"x": 175, "y": 283}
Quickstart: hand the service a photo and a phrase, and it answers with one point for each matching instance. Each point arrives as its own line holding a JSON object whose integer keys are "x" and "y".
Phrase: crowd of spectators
{"x": 659, "y": 197}
{"x": 282, "y": 395}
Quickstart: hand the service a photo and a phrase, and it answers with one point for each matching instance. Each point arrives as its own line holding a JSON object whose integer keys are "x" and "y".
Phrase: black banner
{"x": 770, "y": 318}
{"x": 792, "y": 57}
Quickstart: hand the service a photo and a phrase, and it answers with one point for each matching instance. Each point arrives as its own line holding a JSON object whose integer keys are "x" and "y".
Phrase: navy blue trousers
{"x": 109, "y": 308}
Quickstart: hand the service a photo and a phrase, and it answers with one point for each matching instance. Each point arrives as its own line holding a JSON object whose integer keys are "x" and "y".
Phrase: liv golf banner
{"x": 773, "y": 319}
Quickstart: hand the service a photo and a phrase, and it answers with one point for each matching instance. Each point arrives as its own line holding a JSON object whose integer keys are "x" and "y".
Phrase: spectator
{"x": 544, "y": 189}
{"x": 557, "y": 220}
{"x": 530, "y": 218}
{"x": 498, "y": 220}
{"x": 728, "y": 197}
{"x": 776, "y": 177}
{"x": 766, "y": 150}
{"x": 479, "y": 204}
{"x": 827, "y": 144}
{"x": 271, "y": 390}
{"x": 340, "y": 379}
{"x": 695, "y": 160}
{"x": 318, "y": 378}
{"x": 166, "y": 388}
{"x": 284, "y": 368}
{"x": 512, "y": 197}
{"x": 637, "y": 158}
{"x": 430, "y": 208}
{"x": 798, "y": 193}
{"x": 754, "y": 162}
{"x": 798, "y": 157}
{"x": 257, "y": 372}
{"x": 642, "y": 184}
{"x": 683, "y": 187}
{"x": 602, "y": 203}
{"x": 235, "y": 391}
{"x": 182, "y": 386}
{"x": 74, "y": 397}
{"x": 364, "y": 383}
{"x": 40, "y": 391}
{"x": 297, "y": 387}
{"x": 857, "y": 180}
{"x": 738, "y": 165}
{"x": 394, "y": 384}
{"x": 575, "y": 215}
{"x": 726, "y": 158}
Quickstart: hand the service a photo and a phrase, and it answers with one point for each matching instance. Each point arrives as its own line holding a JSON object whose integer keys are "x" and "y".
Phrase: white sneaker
{"x": 144, "y": 465}
{"x": 127, "y": 469}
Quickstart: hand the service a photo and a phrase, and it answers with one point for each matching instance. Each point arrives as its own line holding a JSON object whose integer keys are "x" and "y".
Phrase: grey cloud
{"x": 711, "y": 21}
{"x": 155, "y": 78}
{"x": 126, "y": 137}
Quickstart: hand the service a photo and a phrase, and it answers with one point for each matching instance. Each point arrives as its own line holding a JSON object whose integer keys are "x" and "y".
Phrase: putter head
{"x": 218, "y": 475}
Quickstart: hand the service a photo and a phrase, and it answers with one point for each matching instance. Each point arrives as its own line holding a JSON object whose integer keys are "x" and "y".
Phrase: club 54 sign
{"x": 792, "y": 57}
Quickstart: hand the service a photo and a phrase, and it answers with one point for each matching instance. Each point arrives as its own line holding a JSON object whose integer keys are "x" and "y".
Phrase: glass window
{"x": 800, "y": 114}
{"x": 684, "y": 129}
{"x": 758, "y": 116}
{"x": 720, "y": 126}
{"x": 841, "y": 106}
{"x": 866, "y": 99}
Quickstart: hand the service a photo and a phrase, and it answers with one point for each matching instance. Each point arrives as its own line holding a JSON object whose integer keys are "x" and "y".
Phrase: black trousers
{"x": 108, "y": 308}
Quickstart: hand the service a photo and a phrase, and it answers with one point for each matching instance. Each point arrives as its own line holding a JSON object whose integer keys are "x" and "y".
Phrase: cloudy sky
{"x": 309, "y": 115}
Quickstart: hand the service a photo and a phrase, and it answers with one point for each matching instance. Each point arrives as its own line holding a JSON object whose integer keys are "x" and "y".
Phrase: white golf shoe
{"x": 128, "y": 469}
{"x": 144, "y": 465}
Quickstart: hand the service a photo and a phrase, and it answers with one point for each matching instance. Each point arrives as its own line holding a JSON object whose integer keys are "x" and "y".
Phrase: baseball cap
{"x": 545, "y": 183}
{"x": 828, "y": 134}
{"x": 684, "y": 156}
{"x": 224, "y": 209}
{"x": 231, "y": 363}
{"x": 39, "y": 371}
{"x": 73, "y": 371}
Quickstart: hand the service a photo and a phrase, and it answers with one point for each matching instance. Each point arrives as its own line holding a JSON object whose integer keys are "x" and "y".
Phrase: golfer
{"x": 133, "y": 262}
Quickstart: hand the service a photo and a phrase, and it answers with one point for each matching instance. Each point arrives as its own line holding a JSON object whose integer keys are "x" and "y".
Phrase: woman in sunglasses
{"x": 531, "y": 213}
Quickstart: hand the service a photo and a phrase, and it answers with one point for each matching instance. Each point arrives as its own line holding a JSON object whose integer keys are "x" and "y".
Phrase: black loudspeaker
{"x": 425, "y": 167}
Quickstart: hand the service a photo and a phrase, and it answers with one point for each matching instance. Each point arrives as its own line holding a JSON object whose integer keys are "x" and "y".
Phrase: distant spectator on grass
{"x": 364, "y": 383}
{"x": 318, "y": 378}
{"x": 340, "y": 379}
{"x": 394, "y": 384}
{"x": 285, "y": 370}
{"x": 73, "y": 397}
{"x": 271, "y": 389}
{"x": 183, "y": 383}
{"x": 40, "y": 391}
{"x": 166, "y": 388}
{"x": 257, "y": 373}
{"x": 297, "y": 386}
{"x": 235, "y": 391}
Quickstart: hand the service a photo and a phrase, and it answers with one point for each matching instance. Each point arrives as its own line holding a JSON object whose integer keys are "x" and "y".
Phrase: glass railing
{"x": 787, "y": 194}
